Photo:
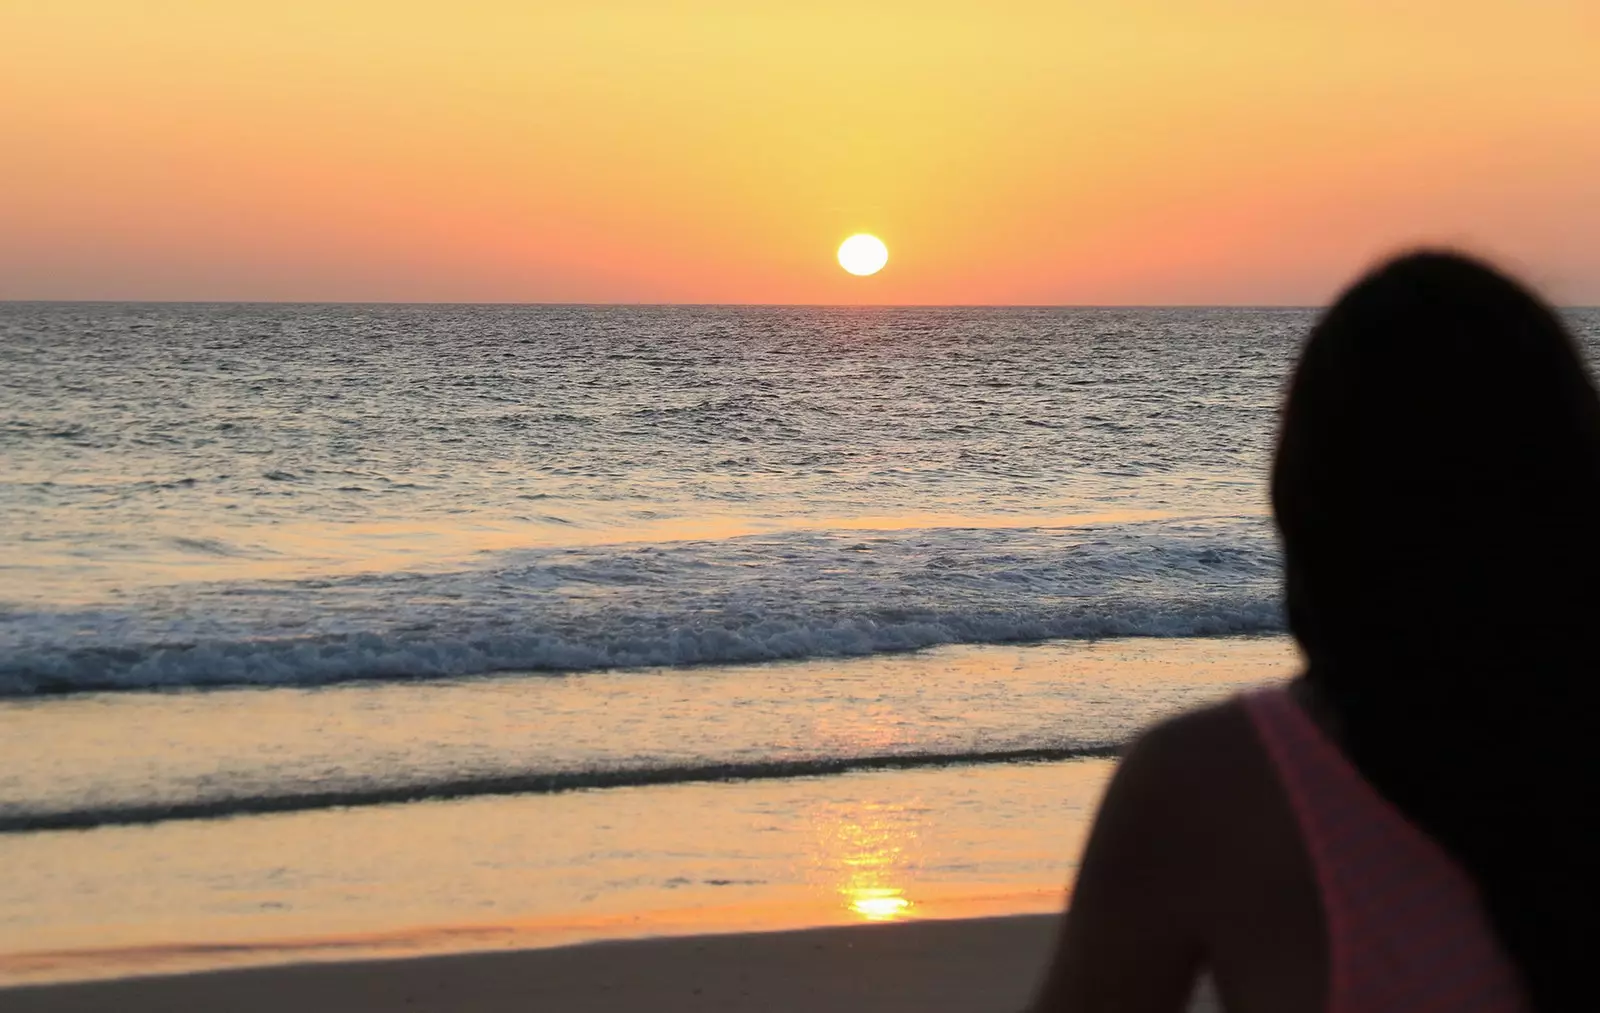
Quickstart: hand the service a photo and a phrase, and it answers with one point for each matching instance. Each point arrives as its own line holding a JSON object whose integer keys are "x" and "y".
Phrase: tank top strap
{"x": 1406, "y": 928}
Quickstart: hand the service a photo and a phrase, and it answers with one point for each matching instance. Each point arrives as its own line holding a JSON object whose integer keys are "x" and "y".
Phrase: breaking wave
{"x": 756, "y": 598}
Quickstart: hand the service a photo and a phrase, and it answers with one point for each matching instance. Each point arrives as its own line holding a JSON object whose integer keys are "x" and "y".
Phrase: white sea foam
{"x": 757, "y": 598}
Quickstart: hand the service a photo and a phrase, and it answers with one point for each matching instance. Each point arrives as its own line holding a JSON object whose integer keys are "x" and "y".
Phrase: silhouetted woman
{"x": 1405, "y": 826}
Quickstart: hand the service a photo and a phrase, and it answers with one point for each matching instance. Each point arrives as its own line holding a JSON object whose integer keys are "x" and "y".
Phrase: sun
{"x": 862, "y": 254}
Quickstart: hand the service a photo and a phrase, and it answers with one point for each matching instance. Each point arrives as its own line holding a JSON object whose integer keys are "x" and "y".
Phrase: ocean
{"x": 291, "y": 496}
{"x": 661, "y": 602}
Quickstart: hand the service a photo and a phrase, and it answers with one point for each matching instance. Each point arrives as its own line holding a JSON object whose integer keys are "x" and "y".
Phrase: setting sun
{"x": 862, "y": 254}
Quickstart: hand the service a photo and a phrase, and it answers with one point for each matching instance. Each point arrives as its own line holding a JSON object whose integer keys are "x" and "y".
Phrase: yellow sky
{"x": 1100, "y": 151}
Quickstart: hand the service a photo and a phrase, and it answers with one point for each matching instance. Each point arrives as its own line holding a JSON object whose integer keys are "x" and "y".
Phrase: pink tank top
{"x": 1406, "y": 929}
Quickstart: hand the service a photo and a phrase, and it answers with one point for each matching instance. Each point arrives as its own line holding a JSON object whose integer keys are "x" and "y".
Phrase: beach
{"x": 931, "y": 886}
{"x": 974, "y": 966}
{"x": 919, "y": 824}
{"x": 979, "y": 965}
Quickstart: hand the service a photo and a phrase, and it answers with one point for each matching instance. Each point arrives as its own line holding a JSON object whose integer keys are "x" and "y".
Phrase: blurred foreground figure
{"x": 1402, "y": 827}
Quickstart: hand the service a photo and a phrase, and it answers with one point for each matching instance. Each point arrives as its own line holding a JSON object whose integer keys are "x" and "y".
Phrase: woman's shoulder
{"x": 1203, "y": 778}
{"x": 1200, "y": 750}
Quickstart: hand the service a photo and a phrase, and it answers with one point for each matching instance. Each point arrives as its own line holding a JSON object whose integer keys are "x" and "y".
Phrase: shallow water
{"x": 110, "y": 758}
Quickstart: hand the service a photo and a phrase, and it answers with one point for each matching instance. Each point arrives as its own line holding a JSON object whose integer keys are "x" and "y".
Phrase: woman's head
{"x": 1439, "y": 462}
{"x": 1436, "y": 486}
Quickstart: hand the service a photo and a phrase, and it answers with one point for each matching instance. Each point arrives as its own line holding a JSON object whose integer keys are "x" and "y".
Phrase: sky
{"x": 1071, "y": 152}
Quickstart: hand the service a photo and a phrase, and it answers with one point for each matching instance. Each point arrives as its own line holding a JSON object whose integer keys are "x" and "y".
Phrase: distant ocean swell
{"x": 758, "y": 598}
{"x": 134, "y": 812}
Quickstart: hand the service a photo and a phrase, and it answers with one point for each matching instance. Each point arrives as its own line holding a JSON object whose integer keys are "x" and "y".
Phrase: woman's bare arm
{"x": 1132, "y": 940}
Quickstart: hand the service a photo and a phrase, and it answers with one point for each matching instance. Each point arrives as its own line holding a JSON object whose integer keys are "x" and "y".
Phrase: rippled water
{"x": 266, "y": 494}
{"x": 157, "y": 417}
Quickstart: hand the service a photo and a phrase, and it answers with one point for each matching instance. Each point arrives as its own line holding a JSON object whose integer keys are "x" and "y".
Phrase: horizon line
{"x": 694, "y": 305}
{"x": 655, "y": 305}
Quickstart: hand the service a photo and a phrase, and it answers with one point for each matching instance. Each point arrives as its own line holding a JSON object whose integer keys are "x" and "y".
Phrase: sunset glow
{"x": 698, "y": 151}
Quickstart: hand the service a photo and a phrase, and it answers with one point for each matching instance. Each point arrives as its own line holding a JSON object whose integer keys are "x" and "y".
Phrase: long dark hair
{"x": 1437, "y": 487}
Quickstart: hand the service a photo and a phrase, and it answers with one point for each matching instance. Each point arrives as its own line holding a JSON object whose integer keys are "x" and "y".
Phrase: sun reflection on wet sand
{"x": 880, "y": 904}
{"x": 869, "y": 852}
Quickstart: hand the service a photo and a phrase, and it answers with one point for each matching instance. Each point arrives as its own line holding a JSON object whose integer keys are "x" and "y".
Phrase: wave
{"x": 530, "y": 783}
{"x": 371, "y": 656}
{"x": 739, "y": 600}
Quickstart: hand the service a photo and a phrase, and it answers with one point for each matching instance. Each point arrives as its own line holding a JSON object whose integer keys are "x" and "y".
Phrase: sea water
{"x": 291, "y": 496}
{"x": 263, "y": 564}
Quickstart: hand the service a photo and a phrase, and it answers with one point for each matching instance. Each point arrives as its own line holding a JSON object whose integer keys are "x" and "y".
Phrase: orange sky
{"x": 1075, "y": 151}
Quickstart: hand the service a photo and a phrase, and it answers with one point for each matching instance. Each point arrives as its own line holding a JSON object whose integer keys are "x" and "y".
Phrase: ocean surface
{"x": 290, "y": 496}
{"x": 269, "y": 564}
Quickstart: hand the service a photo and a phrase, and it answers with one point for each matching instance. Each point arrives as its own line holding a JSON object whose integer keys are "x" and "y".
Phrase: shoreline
{"x": 553, "y": 783}
{"x": 518, "y": 871}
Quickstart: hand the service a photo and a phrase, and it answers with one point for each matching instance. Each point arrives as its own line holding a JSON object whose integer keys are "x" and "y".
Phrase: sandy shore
{"x": 976, "y": 965}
